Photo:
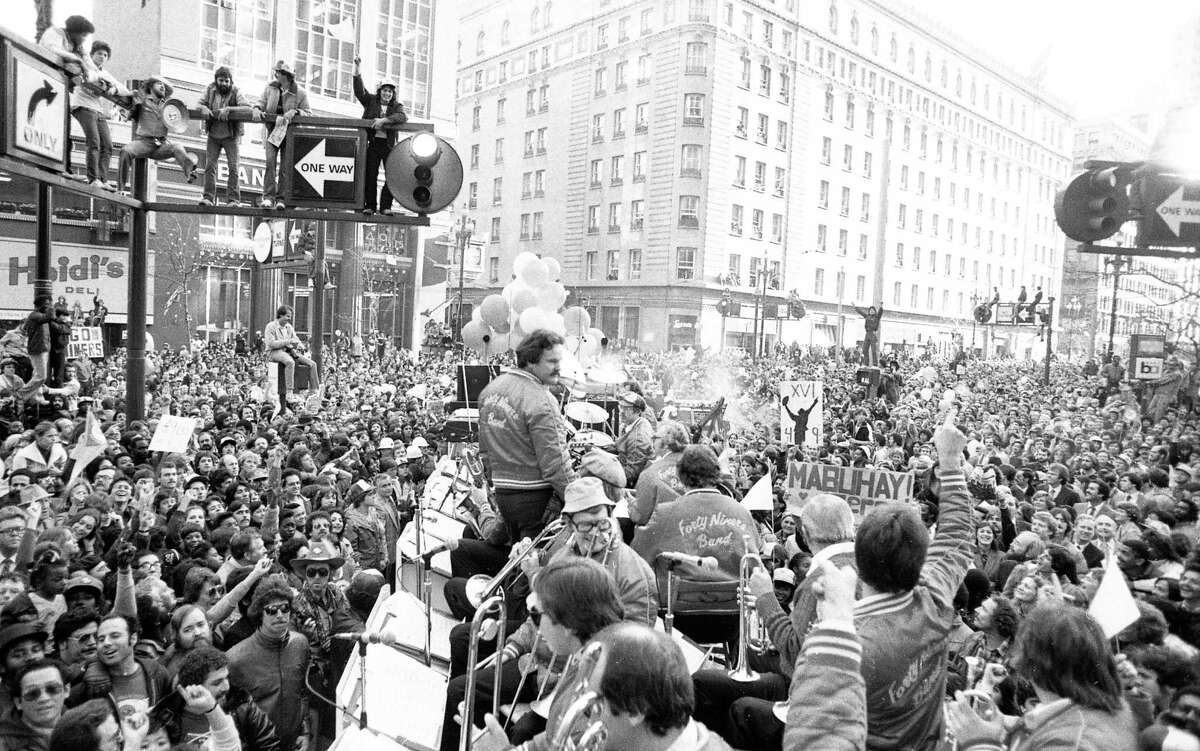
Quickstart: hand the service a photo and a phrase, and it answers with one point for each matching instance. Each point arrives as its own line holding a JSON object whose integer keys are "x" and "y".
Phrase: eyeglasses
{"x": 150, "y": 564}
{"x": 315, "y": 573}
{"x": 600, "y": 525}
{"x": 216, "y": 591}
{"x": 535, "y": 615}
{"x": 85, "y": 638}
{"x": 281, "y": 609}
{"x": 12, "y": 530}
{"x": 50, "y": 690}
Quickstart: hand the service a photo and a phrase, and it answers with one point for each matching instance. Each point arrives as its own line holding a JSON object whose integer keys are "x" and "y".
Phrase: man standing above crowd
{"x": 281, "y": 342}
{"x": 281, "y": 101}
{"x": 382, "y": 109}
{"x": 522, "y": 437}
{"x": 222, "y": 99}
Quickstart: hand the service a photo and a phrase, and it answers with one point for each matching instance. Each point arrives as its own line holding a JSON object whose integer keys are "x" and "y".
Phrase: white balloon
{"x": 926, "y": 394}
{"x": 554, "y": 267}
{"x": 519, "y": 263}
{"x": 551, "y": 296}
{"x": 577, "y": 319}
{"x": 535, "y": 273}
{"x": 554, "y": 322}
{"x": 533, "y": 319}
{"x": 949, "y": 395}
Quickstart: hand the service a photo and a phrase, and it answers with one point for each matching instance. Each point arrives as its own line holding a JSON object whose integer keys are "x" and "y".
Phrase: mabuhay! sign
{"x": 862, "y": 488}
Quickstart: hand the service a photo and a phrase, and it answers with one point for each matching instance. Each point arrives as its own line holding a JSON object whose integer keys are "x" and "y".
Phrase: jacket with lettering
{"x": 904, "y": 634}
{"x": 659, "y": 483}
{"x": 703, "y": 523}
{"x": 522, "y": 436}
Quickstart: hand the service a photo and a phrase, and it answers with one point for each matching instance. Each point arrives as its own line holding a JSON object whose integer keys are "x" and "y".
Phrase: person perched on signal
{"x": 222, "y": 99}
{"x": 382, "y": 109}
{"x": 281, "y": 101}
{"x": 279, "y": 338}
{"x": 150, "y": 132}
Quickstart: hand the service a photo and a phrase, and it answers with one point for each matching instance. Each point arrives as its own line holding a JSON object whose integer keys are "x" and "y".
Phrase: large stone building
{"x": 668, "y": 151}
{"x": 205, "y": 281}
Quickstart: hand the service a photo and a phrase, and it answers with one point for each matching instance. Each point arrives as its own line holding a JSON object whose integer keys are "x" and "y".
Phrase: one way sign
{"x": 326, "y": 165}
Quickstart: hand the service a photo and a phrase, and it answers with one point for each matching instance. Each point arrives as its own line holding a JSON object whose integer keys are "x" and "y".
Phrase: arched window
{"x": 894, "y": 50}
{"x": 958, "y": 83}
{"x": 854, "y": 29}
{"x": 479, "y": 43}
{"x": 504, "y": 29}
{"x": 533, "y": 20}
{"x": 547, "y": 18}
{"x": 912, "y": 59}
{"x": 945, "y": 76}
{"x": 928, "y": 68}
{"x": 833, "y": 18}
{"x": 874, "y": 41}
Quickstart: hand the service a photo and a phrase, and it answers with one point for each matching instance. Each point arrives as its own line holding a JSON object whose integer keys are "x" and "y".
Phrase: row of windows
{"x": 734, "y": 276}
{"x": 762, "y": 129}
{"x": 620, "y": 77}
{"x": 612, "y": 265}
{"x": 616, "y": 169}
{"x": 778, "y": 185}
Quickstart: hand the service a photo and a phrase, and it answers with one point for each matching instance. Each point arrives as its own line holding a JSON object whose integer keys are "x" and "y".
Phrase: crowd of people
{"x": 193, "y": 596}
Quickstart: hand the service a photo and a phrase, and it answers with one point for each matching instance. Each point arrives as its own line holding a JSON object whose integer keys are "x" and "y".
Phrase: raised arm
{"x": 949, "y": 554}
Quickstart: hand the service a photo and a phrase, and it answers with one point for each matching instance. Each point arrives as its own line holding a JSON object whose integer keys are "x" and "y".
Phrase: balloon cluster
{"x": 533, "y": 300}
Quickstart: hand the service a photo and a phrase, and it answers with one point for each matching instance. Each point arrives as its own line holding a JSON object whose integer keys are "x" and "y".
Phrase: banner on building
{"x": 862, "y": 488}
{"x": 800, "y": 415}
{"x": 86, "y": 341}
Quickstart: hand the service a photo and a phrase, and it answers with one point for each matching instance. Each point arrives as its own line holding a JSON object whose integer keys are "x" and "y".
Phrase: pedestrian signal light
{"x": 424, "y": 173}
{"x": 1094, "y": 205}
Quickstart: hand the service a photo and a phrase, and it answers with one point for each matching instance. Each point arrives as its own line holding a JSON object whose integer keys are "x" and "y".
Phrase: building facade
{"x": 668, "y": 152}
{"x": 205, "y": 281}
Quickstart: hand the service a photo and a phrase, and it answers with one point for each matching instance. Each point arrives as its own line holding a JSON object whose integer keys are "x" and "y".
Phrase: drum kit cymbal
{"x": 586, "y": 413}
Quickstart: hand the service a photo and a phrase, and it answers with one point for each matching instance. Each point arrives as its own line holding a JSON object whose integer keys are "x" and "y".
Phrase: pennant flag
{"x": 760, "y": 497}
{"x": 343, "y": 30}
{"x": 91, "y": 444}
{"x": 1113, "y": 607}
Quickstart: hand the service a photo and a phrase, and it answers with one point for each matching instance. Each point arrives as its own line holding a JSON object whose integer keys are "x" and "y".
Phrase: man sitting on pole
{"x": 150, "y": 132}
{"x": 280, "y": 340}
{"x": 381, "y": 108}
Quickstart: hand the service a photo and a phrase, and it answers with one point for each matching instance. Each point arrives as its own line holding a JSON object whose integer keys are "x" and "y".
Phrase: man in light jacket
{"x": 222, "y": 99}
{"x": 281, "y": 102}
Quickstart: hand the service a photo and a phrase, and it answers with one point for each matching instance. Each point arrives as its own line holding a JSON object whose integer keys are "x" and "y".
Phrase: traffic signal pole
{"x": 1117, "y": 262}
{"x": 135, "y": 327}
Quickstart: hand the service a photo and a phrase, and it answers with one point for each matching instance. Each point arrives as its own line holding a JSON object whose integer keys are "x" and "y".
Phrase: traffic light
{"x": 796, "y": 308}
{"x": 983, "y": 313}
{"x": 724, "y": 304}
{"x": 1094, "y": 205}
{"x": 424, "y": 173}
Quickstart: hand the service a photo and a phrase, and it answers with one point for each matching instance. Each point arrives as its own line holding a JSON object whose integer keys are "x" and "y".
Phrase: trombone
{"x": 480, "y": 587}
{"x": 494, "y": 603}
{"x": 752, "y": 632}
{"x": 581, "y": 728}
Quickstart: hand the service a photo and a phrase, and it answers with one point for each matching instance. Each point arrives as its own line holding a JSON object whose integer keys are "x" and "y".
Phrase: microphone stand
{"x": 362, "y": 683}
{"x": 424, "y": 582}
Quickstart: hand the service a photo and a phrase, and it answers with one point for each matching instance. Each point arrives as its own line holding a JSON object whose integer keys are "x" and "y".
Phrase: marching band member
{"x": 704, "y": 523}
{"x": 659, "y": 483}
{"x": 634, "y": 445}
{"x": 522, "y": 437}
{"x": 591, "y": 533}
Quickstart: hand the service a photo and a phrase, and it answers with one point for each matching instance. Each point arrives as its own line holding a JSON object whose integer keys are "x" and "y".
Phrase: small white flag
{"x": 91, "y": 444}
{"x": 1113, "y": 607}
{"x": 760, "y": 496}
{"x": 343, "y": 30}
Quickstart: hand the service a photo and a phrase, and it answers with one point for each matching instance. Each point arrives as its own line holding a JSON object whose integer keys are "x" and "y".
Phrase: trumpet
{"x": 493, "y": 604}
{"x": 480, "y": 587}
{"x": 580, "y": 727}
{"x": 752, "y": 632}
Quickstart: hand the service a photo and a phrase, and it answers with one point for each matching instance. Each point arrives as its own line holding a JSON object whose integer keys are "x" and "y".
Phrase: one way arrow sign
{"x": 318, "y": 166}
{"x": 1180, "y": 208}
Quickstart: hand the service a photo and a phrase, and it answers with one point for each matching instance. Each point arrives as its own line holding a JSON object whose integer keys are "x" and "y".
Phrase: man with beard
{"x": 192, "y": 631}
{"x": 208, "y": 668}
{"x": 222, "y": 99}
{"x": 150, "y": 138}
{"x": 75, "y": 641}
{"x": 382, "y": 109}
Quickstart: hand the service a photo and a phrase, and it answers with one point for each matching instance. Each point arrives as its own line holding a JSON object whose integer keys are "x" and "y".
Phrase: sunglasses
{"x": 50, "y": 690}
{"x": 281, "y": 609}
{"x": 216, "y": 591}
{"x": 535, "y": 615}
{"x": 315, "y": 573}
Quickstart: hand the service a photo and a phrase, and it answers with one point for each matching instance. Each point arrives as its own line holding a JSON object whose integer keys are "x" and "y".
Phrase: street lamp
{"x": 462, "y": 236}
{"x": 1072, "y": 308}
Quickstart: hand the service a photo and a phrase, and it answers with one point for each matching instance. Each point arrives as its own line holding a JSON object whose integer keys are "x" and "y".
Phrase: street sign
{"x": 325, "y": 166}
{"x": 1005, "y": 312}
{"x": 1147, "y": 353}
{"x": 1171, "y": 207}
{"x": 36, "y": 110}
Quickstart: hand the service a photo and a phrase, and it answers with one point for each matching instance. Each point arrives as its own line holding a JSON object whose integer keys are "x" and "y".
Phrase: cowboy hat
{"x": 319, "y": 551}
{"x": 283, "y": 67}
